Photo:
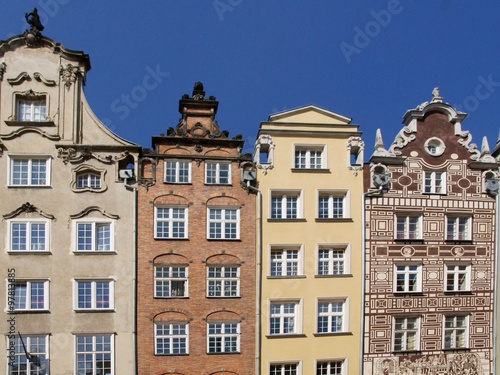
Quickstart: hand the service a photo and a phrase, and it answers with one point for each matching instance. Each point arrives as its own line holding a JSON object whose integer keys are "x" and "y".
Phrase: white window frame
{"x": 283, "y": 198}
{"x": 331, "y": 366}
{"x": 223, "y": 223}
{"x": 281, "y": 368}
{"x": 95, "y": 224}
{"x": 28, "y": 298}
{"x": 31, "y": 173}
{"x": 93, "y": 294}
{"x": 218, "y": 178}
{"x": 176, "y": 166}
{"x": 175, "y": 274}
{"x": 290, "y": 262}
{"x": 179, "y": 338}
{"x": 404, "y": 333}
{"x": 331, "y": 209}
{"x": 89, "y": 179}
{"x": 308, "y": 156}
{"x": 36, "y": 345}
{"x": 336, "y": 262}
{"x": 290, "y": 323}
{"x": 225, "y": 284}
{"x": 224, "y": 336}
{"x": 37, "y": 108}
{"x": 452, "y": 332}
{"x": 407, "y": 233}
{"x": 95, "y": 352}
{"x": 30, "y": 244}
{"x": 458, "y": 228}
{"x": 172, "y": 222}
{"x": 406, "y": 272}
{"x": 332, "y": 314}
{"x": 454, "y": 274}
{"x": 430, "y": 183}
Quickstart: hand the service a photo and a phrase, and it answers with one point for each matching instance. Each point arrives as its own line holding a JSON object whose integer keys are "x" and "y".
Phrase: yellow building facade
{"x": 309, "y": 163}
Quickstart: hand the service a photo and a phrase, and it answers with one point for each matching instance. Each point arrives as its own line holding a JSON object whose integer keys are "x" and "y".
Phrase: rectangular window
{"x": 177, "y": 171}
{"x": 284, "y": 369}
{"x": 29, "y": 171}
{"x": 286, "y": 262}
{"x": 223, "y": 337}
{"x": 330, "y": 367}
{"x": 309, "y": 157}
{"x": 406, "y": 334}
{"x": 94, "y": 355}
{"x": 408, "y": 227}
{"x": 37, "y": 346}
{"x": 434, "y": 182}
{"x": 171, "y": 281}
{"x": 30, "y": 295}
{"x": 331, "y": 316}
{"x": 94, "y": 295}
{"x": 457, "y": 277}
{"x": 223, "y": 223}
{"x": 455, "y": 331}
{"x": 223, "y": 281}
{"x": 332, "y": 205}
{"x": 94, "y": 236}
{"x": 286, "y": 205}
{"x": 31, "y": 109}
{"x": 217, "y": 173}
{"x": 171, "y": 222}
{"x": 458, "y": 228}
{"x": 333, "y": 261}
{"x": 29, "y": 235}
{"x": 408, "y": 278}
{"x": 284, "y": 318}
{"x": 171, "y": 338}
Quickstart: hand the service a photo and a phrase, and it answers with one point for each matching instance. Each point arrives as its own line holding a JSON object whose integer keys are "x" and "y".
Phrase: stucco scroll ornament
{"x": 402, "y": 139}
{"x": 70, "y": 155}
{"x": 69, "y": 74}
{"x": 40, "y": 78}
{"x": 66, "y": 154}
{"x": 28, "y": 208}
{"x": 3, "y": 69}
{"x": 471, "y": 147}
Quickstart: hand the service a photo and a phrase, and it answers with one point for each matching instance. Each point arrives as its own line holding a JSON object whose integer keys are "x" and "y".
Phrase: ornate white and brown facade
{"x": 430, "y": 248}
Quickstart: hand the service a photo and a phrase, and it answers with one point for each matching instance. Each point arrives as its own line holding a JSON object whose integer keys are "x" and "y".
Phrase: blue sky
{"x": 368, "y": 60}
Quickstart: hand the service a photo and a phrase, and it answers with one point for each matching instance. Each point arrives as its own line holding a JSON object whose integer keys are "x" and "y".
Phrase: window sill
{"x": 409, "y": 240}
{"x": 287, "y": 277}
{"x": 343, "y": 275}
{"x": 334, "y": 220}
{"x": 406, "y": 352}
{"x": 173, "y": 297}
{"x": 172, "y": 354}
{"x": 171, "y": 238}
{"x": 456, "y": 349}
{"x": 223, "y": 239}
{"x": 456, "y": 242}
{"x": 94, "y": 252}
{"x": 29, "y": 186}
{"x": 286, "y": 335}
{"x": 40, "y": 311}
{"x": 93, "y": 311}
{"x": 458, "y": 292}
{"x": 177, "y": 183}
{"x": 29, "y": 252}
{"x": 224, "y": 297}
{"x": 309, "y": 170}
{"x": 346, "y": 333}
{"x": 207, "y": 184}
{"x": 294, "y": 220}
{"x": 407, "y": 294}
{"x": 29, "y": 123}
{"x": 223, "y": 353}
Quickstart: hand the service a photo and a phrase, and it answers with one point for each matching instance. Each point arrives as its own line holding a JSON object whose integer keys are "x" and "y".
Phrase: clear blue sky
{"x": 369, "y": 60}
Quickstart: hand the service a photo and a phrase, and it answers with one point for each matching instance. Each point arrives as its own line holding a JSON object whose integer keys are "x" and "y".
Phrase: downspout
{"x": 495, "y": 284}
{"x": 258, "y": 239}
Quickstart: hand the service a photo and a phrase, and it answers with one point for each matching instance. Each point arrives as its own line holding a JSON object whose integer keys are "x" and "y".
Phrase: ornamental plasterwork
{"x": 358, "y": 144}
{"x": 90, "y": 209}
{"x": 21, "y": 131}
{"x": 40, "y": 78}
{"x": 28, "y": 208}
{"x": 70, "y": 155}
{"x": 3, "y": 69}
{"x": 69, "y": 74}
{"x": 23, "y": 76}
{"x": 404, "y": 137}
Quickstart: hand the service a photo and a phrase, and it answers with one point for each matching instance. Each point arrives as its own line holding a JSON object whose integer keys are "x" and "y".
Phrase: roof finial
{"x": 436, "y": 97}
{"x": 33, "y": 20}
{"x": 379, "y": 149}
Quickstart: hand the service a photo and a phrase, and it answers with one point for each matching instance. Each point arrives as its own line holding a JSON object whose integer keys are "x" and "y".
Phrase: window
{"x": 29, "y": 171}
{"x": 332, "y": 205}
{"x": 217, "y": 173}
{"x": 457, "y": 277}
{"x": 308, "y": 157}
{"x": 36, "y": 345}
{"x": 223, "y": 281}
{"x": 223, "y": 337}
{"x": 284, "y": 369}
{"x": 406, "y": 334}
{"x": 94, "y": 295}
{"x": 286, "y": 262}
{"x": 331, "y": 316}
{"x": 455, "y": 331}
{"x": 31, "y": 109}
{"x": 285, "y": 205}
{"x": 330, "y": 367}
{"x": 458, "y": 228}
{"x": 171, "y": 281}
{"x": 29, "y": 235}
{"x": 30, "y": 295}
{"x": 434, "y": 146}
{"x": 88, "y": 180}
{"x": 408, "y": 278}
{"x": 94, "y": 355}
{"x": 332, "y": 261}
{"x": 177, "y": 171}
{"x": 434, "y": 182}
{"x": 171, "y": 222}
{"x": 171, "y": 338}
{"x": 408, "y": 227}
{"x": 284, "y": 318}
{"x": 223, "y": 223}
{"x": 94, "y": 236}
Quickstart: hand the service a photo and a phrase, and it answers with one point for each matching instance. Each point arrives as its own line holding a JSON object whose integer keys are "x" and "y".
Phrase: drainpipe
{"x": 495, "y": 284}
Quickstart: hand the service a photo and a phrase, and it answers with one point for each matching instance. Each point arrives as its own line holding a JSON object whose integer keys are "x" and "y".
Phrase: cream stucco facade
{"x": 309, "y": 161}
{"x": 67, "y": 249}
